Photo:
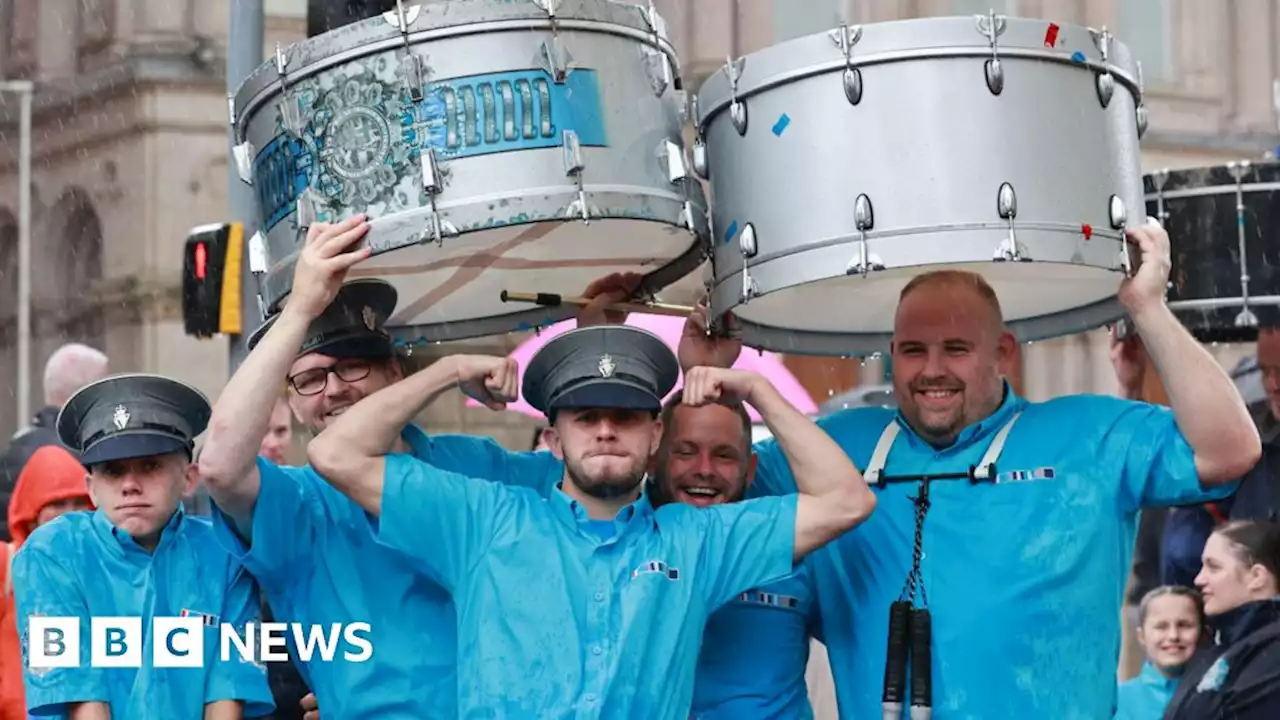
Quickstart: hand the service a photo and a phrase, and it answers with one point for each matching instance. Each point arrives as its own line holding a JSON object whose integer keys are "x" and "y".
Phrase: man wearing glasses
{"x": 312, "y": 550}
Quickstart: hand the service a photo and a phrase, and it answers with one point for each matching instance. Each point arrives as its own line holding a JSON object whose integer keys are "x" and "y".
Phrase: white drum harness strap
{"x": 909, "y": 627}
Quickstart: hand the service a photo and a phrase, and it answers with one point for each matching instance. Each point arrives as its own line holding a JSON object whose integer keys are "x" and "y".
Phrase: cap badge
{"x": 370, "y": 318}
{"x": 120, "y": 417}
{"x": 606, "y": 366}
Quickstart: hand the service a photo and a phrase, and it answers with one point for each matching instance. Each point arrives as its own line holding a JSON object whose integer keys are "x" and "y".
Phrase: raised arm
{"x": 243, "y": 411}
{"x": 1207, "y": 406}
{"x": 350, "y": 453}
{"x": 834, "y": 498}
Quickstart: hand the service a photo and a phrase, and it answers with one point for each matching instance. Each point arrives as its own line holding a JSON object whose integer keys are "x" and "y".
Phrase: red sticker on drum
{"x": 1087, "y": 229}
{"x": 1051, "y": 36}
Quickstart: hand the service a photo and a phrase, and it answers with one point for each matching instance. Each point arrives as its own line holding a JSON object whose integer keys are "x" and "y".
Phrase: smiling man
{"x": 755, "y": 649}
{"x": 137, "y": 556}
{"x": 1021, "y": 559}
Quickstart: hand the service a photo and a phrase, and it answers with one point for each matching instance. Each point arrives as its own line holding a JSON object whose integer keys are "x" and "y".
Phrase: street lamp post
{"x": 24, "y": 89}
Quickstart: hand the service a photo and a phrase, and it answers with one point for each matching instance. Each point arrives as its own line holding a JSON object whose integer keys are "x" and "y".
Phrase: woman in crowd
{"x": 1237, "y": 675}
{"x": 1170, "y": 621}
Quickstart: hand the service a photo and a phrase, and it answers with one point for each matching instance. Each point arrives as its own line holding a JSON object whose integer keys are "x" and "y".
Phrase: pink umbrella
{"x": 669, "y": 329}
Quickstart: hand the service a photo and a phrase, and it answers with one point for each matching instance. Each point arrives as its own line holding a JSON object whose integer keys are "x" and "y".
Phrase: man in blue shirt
{"x": 755, "y": 649}
{"x": 311, "y": 549}
{"x": 137, "y": 556}
{"x": 587, "y": 602}
{"x": 1023, "y": 567}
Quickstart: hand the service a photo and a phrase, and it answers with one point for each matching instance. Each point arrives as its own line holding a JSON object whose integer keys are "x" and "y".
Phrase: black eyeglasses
{"x": 313, "y": 381}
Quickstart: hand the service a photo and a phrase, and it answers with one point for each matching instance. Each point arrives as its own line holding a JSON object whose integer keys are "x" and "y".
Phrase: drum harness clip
{"x": 910, "y": 631}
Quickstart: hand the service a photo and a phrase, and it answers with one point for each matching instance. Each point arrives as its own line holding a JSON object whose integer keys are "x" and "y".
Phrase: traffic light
{"x": 211, "y": 267}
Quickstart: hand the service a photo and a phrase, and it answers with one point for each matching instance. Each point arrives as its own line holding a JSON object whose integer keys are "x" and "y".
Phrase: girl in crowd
{"x": 1237, "y": 675}
{"x": 1170, "y": 620}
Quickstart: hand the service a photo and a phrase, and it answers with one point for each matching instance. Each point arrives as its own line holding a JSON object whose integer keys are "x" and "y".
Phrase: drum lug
{"x": 852, "y": 79}
{"x": 555, "y": 58}
{"x": 686, "y": 217}
{"x": 1106, "y": 82}
{"x": 244, "y": 161}
{"x": 1009, "y": 250}
{"x": 845, "y": 37}
{"x": 658, "y": 71}
{"x": 675, "y": 162}
{"x": 864, "y": 219}
{"x": 737, "y": 109}
{"x": 991, "y": 26}
{"x": 1141, "y": 111}
{"x": 306, "y": 209}
{"x": 747, "y": 242}
{"x": 1117, "y": 213}
{"x": 257, "y": 253}
{"x": 700, "y": 158}
{"x": 414, "y": 75}
{"x": 573, "y": 167}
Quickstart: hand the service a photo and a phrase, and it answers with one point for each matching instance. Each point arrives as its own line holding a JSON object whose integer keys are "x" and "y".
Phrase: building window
{"x": 793, "y": 19}
{"x": 1143, "y": 26}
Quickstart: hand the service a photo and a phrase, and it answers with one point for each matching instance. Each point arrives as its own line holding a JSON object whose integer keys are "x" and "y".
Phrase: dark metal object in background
{"x": 1224, "y": 230}
{"x": 326, "y": 15}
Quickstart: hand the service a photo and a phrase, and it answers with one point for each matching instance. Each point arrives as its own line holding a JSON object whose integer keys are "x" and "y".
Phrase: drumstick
{"x": 553, "y": 300}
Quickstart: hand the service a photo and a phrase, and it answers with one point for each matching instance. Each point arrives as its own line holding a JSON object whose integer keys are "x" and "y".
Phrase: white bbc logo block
{"x": 178, "y": 642}
{"x": 116, "y": 642}
{"x": 53, "y": 642}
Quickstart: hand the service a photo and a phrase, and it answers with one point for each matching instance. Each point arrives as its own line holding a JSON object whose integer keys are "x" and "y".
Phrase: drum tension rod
{"x": 555, "y": 57}
{"x": 413, "y": 71}
{"x": 290, "y": 110}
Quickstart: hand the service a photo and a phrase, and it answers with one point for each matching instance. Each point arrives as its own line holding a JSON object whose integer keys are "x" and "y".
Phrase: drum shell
{"x": 929, "y": 145}
{"x": 1204, "y": 214}
{"x": 506, "y": 201}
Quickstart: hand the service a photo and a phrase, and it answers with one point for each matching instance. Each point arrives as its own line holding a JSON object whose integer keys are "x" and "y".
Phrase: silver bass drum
{"x": 845, "y": 163}
{"x": 496, "y": 145}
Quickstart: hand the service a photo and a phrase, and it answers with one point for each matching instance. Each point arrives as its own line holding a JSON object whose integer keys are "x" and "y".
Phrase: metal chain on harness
{"x": 910, "y": 633}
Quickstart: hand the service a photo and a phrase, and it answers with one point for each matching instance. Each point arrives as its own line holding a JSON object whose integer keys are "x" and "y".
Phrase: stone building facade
{"x": 130, "y": 152}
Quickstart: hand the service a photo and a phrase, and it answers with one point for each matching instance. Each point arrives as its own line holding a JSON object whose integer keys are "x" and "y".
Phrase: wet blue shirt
{"x": 555, "y": 620}
{"x": 1020, "y": 574}
{"x": 755, "y": 651}
{"x": 1145, "y": 696}
{"x": 81, "y": 565}
{"x": 315, "y": 554}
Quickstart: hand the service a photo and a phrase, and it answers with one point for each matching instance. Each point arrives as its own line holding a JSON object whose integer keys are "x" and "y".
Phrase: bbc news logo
{"x": 179, "y": 642}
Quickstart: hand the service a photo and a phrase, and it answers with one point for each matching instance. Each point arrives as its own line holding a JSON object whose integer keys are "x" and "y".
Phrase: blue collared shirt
{"x": 1145, "y": 696}
{"x": 317, "y": 558}
{"x": 755, "y": 651}
{"x": 82, "y": 565}
{"x": 1020, "y": 574}
{"x": 558, "y": 620}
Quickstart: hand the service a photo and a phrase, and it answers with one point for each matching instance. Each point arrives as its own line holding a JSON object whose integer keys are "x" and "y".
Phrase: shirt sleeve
{"x": 285, "y": 518}
{"x": 45, "y": 588}
{"x": 444, "y": 520}
{"x": 234, "y": 678}
{"x": 745, "y": 545}
{"x": 485, "y": 459}
{"x": 1159, "y": 467}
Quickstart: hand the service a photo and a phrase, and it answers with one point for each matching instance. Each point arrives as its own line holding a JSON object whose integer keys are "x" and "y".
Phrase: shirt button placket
{"x": 600, "y": 631}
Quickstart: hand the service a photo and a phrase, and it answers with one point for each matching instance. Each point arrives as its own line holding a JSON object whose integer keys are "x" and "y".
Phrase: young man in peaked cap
{"x": 602, "y": 599}
{"x": 137, "y": 556}
{"x": 313, "y": 551}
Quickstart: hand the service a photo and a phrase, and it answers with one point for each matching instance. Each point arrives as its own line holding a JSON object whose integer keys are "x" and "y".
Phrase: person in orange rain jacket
{"x": 52, "y": 483}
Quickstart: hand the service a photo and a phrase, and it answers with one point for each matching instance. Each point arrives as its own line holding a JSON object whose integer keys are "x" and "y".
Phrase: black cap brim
{"x": 133, "y": 445}
{"x": 613, "y": 394}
